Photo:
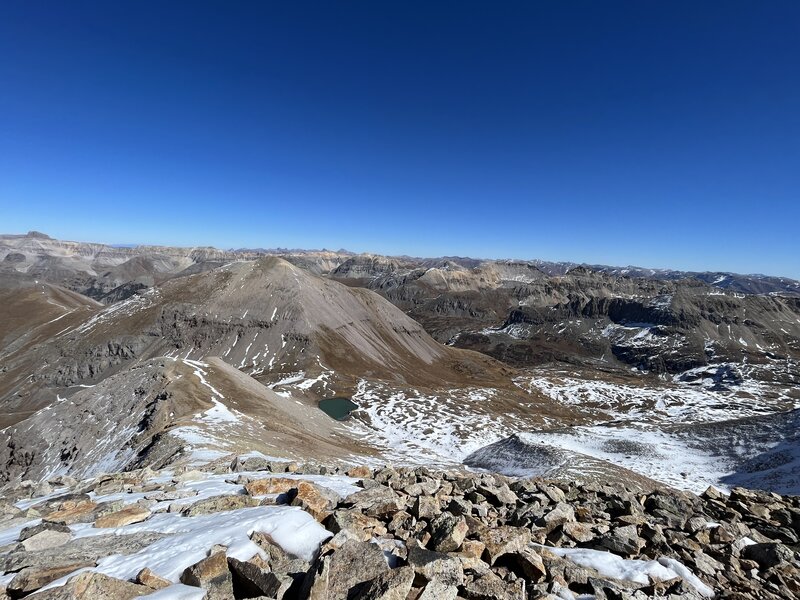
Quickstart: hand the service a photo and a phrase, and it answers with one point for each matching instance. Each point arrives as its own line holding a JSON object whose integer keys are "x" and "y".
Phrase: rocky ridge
{"x": 388, "y": 533}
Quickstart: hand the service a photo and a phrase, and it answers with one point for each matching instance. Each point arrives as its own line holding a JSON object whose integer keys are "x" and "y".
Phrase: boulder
{"x": 316, "y": 500}
{"x": 430, "y": 566}
{"x": 390, "y": 585}
{"x": 580, "y": 532}
{"x": 74, "y": 512}
{"x": 334, "y": 575}
{"x": 271, "y": 485}
{"x": 623, "y": 540}
{"x": 491, "y": 587}
{"x": 426, "y": 507}
{"x": 219, "y": 504}
{"x": 376, "y": 501}
{"x": 526, "y": 564}
{"x": 211, "y": 574}
{"x": 448, "y": 532}
{"x": 154, "y": 582}
{"x": 437, "y": 590}
{"x": 31, "y": 579}
{"x": 251, "y": 580}
{"x": 768, "y": 555}
{"x": 31, "y": 531}
{"x": 359, "y": 472}
{"x": 45, "y": 539}
{"x": 357, "y": 523}
{"x": 95, "y": 586}
{"x": 562, "y": 513}
{"x": 126, "y": 516}
{"x": 503, "y": 540}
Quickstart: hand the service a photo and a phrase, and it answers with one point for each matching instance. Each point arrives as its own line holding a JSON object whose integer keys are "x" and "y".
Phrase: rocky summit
{"x": 182, "y": 424}
{"x": 250, "y": 527}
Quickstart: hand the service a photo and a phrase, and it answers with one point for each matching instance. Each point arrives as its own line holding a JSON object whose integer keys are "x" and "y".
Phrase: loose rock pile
{"x": 421, "y": 534}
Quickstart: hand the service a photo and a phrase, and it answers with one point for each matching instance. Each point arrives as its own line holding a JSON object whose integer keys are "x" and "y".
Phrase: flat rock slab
{"x": 82, "y": 550}
{"x": 126, "y": 516}
{"x": 46, "y": 539}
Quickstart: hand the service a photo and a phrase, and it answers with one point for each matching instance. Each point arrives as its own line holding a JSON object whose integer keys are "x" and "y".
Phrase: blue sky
{"x": 657, "y": 134}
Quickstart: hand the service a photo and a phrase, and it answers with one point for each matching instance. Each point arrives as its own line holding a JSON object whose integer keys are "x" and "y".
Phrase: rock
{"x": 768, "y": 555}
{"x": 580, "y": 532}
{"x": 623, "y": 540}
{"x": 360, "y": 472}
{"x": 562, "y": 513}
{"x": 171, "y": 495}
{"x": 355, "y": 522}
{"x": 696, "y": 524}
{"x": 333, "y": 576}
{"x": 250, "y": 580}
{"x": 526, "y": 564}
{"x": 211, "y": 574}
{"x": 8, "y": 511}
{"x": 390, "y": 585}
{"x": 432, "y": 566}
{"x": 376, "y": 501}
{"x": 706, "y": 564}
{"x": 250, "y": 463}
{"x": 503, "y": 540}
{"x": 492, "y": 587}
{"x": 278, "y": 559}
{"x": 437, "y": 590}
{"x": 82, "y": 550}
{"x": 426, "y": 507}
{"x": 47, "y": 538}
{"x": 448, "y": 532}
{"x": 473, "y": 548}
{"x": 498, "y": 495}
{"x": 192, "y": 475}
{"x": 126, "y": 516}
{"x": 74, "y": 512}
{"x": 155, "y": 582}
{"x": 219, "y": 504}
{"x": 31, "y": 579}
{"x": 271, "y": 485}
{"x": 94, "y": 586}
{"x": 29, "y": 532}
{"x": 316, "y": 500}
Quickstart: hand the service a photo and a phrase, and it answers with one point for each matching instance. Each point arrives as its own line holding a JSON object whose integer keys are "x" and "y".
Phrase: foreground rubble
{"x": 253, "y": 528}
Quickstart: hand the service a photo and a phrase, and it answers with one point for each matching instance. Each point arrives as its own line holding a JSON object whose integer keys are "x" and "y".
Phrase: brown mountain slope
{"x": 164, "y": 411}
{"x": 267, "y": 318}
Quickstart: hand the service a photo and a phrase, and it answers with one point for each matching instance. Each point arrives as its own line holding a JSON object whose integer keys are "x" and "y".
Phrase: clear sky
{"x": 660, "y": 134}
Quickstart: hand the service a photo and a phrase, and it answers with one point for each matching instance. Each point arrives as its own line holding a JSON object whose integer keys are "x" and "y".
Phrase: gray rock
{"x": 562, "y": 513}
{"x": 448, "y": 532}
{"x": 28, "y": 532}
{"x": 334, "y": 575}
{"x": 438, "y": 590}
{"x": 503, "y": 540}
{"x": 623, "y": 540}
{"x": 31, "y": 579}
{"x": 768, "y": 555}
{"x": 219, "y": 504}
{"x": 250, "y": 580}
{"x": 390, "y": 585}
{"x": 492, "y": 587}
{"x": 436, "y": 566}
{"x": 46, "y": 539}
{"x": 376, "y": 501}
{"x": 81, "y": 550}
